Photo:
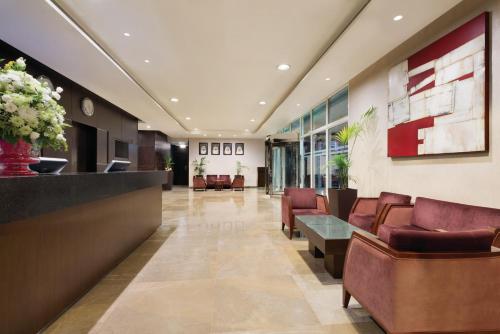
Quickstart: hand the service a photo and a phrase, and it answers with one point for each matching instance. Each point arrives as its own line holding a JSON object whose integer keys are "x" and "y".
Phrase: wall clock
{"x": 87, "y": 107}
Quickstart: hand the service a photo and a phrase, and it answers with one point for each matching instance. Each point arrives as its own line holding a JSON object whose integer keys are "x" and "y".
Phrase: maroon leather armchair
{"x": 226, "y": 179}
{"x": 238, "y": 182}
{"x": 433, "y": 268}
{"x": 301, "y": 201}
{"x": 211, "y": 181}
{"x": 366, "y": 212}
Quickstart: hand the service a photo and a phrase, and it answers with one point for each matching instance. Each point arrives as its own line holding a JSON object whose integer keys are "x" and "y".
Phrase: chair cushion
{"x": 391, "y": 198}
{"x": 308, "y": 212}
{"x": 302, "y": 198}
{"x": 432, "y": 214}
{"x": 362, "y": 220}
{"x": 384, "y": 230}
{"x": 430, "y": 241}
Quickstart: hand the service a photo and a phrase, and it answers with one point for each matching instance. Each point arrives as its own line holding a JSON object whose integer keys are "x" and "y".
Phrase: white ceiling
{"x": 217, "y": 57}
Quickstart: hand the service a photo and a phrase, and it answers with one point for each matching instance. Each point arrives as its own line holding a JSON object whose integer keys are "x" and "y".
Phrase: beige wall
{"x": 473, "y": 179}
{"x": 226, "y": 164}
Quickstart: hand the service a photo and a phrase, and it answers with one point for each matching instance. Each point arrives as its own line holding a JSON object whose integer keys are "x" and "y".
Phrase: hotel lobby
{"x": 230, "y": 167}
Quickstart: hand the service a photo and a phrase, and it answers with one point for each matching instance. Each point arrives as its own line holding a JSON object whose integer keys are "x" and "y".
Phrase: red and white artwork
{"x": 437, "y": 97}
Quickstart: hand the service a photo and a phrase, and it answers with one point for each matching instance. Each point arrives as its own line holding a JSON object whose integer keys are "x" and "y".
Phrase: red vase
{"x": 16, "y": 158}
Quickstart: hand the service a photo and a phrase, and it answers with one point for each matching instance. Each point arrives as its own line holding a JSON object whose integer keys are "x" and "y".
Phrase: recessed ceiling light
{"x": 204, "y": 135}
{"x": 195, "y": 129}
{"x": 246, "y": 130}
{"x": 298, "y": 104}
{"x": 174, "y": 99}
{"x": 262, "y": 103}
{"x": 219, "y": 135}
{"x": 182, "y": 145}
{"x": 398, "y": 18}
{"x": 146, "y": 61}
{"x": 126, "y": 34}
{"x": 234, "y": 135}
{"x": 148, "y": 126}
{"x": 328, "y": 79}
{"x": 188, "y": 118}
{"x": 283, "y": 67}
{"x": 252, "y": 120}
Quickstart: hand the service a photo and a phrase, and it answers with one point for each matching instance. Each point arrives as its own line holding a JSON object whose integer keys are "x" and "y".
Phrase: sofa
{"x": 226, "y": 181}
{"x": 433, "y": 268}
{"x": 366, "y": 212}
{"x": 301, "y": 201}
{"x": 199, "y": 183}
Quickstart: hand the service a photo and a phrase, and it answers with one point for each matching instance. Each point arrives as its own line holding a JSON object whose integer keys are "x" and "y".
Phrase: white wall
{"x": 226, "y": 164}
{"x": 467, "y": 178}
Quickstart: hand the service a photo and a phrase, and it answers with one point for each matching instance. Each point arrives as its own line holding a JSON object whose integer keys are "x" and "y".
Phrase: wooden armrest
{"x": 322, "y": 204}
{"x": 390, "y": 214}
{"x": 381, "y": 246}
{"x": 365, "y": 205}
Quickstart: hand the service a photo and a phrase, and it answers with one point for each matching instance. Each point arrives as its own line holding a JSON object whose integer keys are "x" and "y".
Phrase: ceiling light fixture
{"x": 234, "y": 135}
{"x": 148, "y": 126}
{"x": 182, "y": 145}
{"x": 283, "y": 67}
{"x": 204, "y": 135}
{"x": 195, "y": 129}
{"x": 262, "y": 103}
{"x": 246, "y": 130}
{"x": 146, "y": 61}
{"x": 298, "y": 104}
{"x": 398, "y": 18}
{"x": 174, "y": 99}
{"x": 188, "y": 118}
{"x": 328, "y": 79}
{"x": 126, "y": 34}
{"x": 219, "y": 135}
{"x": 252, "y": 120}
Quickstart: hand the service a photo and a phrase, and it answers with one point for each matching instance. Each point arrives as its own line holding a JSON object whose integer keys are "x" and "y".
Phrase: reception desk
{"x": 59, "y": 235}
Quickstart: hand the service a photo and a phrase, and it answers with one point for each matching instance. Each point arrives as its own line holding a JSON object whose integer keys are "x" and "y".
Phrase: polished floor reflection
{"x": 219, "y": 264}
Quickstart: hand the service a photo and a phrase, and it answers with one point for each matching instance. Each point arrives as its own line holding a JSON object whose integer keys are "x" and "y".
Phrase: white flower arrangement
{"x": 29, "y": 109}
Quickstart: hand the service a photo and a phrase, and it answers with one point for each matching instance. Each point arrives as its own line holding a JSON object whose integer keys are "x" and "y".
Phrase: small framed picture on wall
{"x": 215, "y": 148}
{"x": 227, "y": 148}
{"x": 239, "y": 149}
{"x": 203, "y": 149}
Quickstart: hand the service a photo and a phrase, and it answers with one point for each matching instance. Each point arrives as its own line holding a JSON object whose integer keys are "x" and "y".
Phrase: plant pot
{"x": 341, "y": 202}
{"x": 169, "y": 180}
{"x": 16, "y": 158}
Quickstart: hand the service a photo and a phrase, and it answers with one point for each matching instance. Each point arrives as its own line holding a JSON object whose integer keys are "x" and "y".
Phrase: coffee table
{"x": 219, "y": 185}
{"x": 328, "y": 238}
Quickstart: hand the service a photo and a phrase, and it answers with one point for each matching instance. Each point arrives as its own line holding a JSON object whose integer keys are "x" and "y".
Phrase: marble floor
{"x": 219, "y": 263}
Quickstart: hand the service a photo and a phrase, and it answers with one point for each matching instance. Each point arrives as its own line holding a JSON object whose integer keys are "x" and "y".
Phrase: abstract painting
{"x": 438, "y": 97}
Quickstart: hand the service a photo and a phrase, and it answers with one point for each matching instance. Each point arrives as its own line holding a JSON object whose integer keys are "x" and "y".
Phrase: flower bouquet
{"x": 29, "y": 116}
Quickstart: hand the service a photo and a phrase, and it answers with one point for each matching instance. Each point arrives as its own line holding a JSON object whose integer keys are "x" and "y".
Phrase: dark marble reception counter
{"x": 60, "y": 234}
{"x": 24, "y": 197}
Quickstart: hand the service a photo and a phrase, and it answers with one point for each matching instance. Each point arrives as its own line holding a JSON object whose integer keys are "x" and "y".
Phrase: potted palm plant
{"x": 199, "y": 170}
{"x": 239, "y": 178}
{"x": 342, "y": 198}
{"x": 169, "y": 164}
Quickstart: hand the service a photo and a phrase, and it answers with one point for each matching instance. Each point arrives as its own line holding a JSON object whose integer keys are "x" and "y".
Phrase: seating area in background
{"x": 219, "y": 182}
{"x": 427, "y": 267}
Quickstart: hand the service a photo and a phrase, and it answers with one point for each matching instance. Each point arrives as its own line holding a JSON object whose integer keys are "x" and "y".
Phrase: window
{"x": 337, "y": 106}
{"x": 306, "y": 121}
{"x": 295, "y": 126}
{"x": 319, "y": 140}
{"x": 306, "y": 148}
{"x": 319, "y": 116}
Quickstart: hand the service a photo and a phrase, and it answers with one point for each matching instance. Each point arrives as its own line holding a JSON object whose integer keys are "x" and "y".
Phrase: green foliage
{"x": 29, "y": 109}
{"x": 240, "y": 167}
{"x": 169, "y": 163}
{"x": 348, "y": 135}
{"x": 199, "y": 166}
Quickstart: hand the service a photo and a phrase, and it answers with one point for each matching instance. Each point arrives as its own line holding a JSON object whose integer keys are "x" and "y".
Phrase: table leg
{"x": 315, "y": 251}
{"x": 334, "y": 264}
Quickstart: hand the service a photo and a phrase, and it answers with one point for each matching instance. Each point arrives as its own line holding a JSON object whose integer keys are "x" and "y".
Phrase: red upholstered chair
{"x": 301, "y": 201}
{"x": 238, "y": 182}
{"x": 199, "y": 183}
{"x": 226, "y": 181}
{"x": 432, "y": 269}
{"x": 211, "y": 181}
{"x": 366, "y": 212}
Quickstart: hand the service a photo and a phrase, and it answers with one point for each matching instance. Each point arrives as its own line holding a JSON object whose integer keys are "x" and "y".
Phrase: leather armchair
{"x": 301, "y": 201}
{"x": 238, "y": 182}
{"x": 211, "y": 181}
{"x": 366, "y": 212}
{"x": 226, "y": 179}
{"x": 199, "y": 183}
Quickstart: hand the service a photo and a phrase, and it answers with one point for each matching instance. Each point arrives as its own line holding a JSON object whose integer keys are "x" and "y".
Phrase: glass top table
{"x": 328, "y": 227}
{"x": 328, "y": 238}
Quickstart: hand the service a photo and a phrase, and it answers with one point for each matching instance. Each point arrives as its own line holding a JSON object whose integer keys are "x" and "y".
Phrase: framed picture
{"x": 227, "y": 148}
{"x": 438, "y": 97}
{"x": 203, "y": 149}
{"x": 215, "y": 148}
{"x": 239, "y": 149}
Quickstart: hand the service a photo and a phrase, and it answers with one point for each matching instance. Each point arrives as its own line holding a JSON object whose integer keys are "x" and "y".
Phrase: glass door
{"x": 319, "y": 142}
{"x": 284, "y": 166}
